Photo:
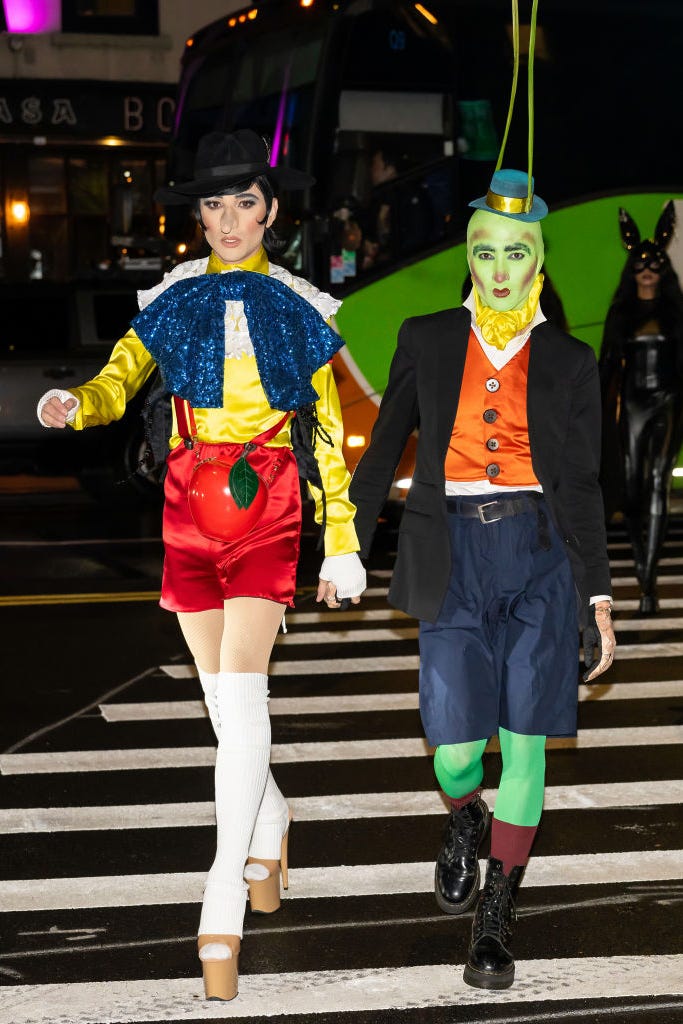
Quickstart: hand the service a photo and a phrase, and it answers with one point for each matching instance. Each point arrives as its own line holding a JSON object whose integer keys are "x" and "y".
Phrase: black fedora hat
{"x": 225, "y": 158}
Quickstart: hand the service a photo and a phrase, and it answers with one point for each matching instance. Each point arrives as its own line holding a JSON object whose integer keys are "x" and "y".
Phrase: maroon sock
{"x": 458, "y": 802}
{"x": 511, "y": 844}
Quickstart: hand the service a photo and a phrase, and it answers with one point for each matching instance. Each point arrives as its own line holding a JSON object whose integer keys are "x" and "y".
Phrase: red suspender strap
{"x": 187, "y": 428}
{"x": 272, "y": 432}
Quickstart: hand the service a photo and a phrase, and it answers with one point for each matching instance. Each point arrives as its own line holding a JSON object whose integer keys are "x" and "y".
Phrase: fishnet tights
{"x": 239, "y": 638}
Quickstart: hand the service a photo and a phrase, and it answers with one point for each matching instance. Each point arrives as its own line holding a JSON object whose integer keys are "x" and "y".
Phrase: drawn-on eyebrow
{"x": 236, "y": 195}
{"x": 489, "y": 247}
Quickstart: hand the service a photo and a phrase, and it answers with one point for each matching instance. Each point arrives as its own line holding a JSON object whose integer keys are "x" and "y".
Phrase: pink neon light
{"x": 277, "y": 136}
{"x": 33, "y": 15}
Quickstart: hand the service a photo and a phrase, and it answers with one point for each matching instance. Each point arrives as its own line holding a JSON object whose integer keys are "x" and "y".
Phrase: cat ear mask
{"x": 648, "y": 253}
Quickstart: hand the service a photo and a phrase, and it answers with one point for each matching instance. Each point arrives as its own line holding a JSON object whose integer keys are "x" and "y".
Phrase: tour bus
{"x": 397, "y": 109}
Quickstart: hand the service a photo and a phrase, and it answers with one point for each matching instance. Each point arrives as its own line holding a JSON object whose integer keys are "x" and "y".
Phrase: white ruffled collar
{"x": 237, "y": 340}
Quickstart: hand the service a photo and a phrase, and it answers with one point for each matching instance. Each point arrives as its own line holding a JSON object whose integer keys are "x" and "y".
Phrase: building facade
{"x": 87, "y": 102}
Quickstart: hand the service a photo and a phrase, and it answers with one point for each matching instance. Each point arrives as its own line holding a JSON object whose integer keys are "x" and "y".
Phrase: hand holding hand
{"x": 342, "y": 577}
{"x": 327, "y": 592}
{"x": 599, "y": 633}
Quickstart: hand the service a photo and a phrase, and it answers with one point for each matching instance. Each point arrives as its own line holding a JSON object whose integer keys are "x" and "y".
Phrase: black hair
{"x": 271, "y": 241}
{"x": 669, "y": 298}
{"x": 391, "y": 155}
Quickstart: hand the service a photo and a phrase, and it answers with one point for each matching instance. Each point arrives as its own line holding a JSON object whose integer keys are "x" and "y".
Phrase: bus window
{"x": 391, "y": 183}
{"x": 391, "y": 194}
{"x": 266, "y": 85}
{"x": 408, "y": 113}
{"x": 391, "y": 46}
{"x": 273, "y": 92}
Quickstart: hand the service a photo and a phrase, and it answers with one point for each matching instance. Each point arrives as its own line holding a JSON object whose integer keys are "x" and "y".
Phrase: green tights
{"x": 459, "y": 769}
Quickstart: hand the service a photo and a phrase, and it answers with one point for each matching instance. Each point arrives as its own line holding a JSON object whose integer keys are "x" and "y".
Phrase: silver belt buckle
{"x": 484, "y": 519}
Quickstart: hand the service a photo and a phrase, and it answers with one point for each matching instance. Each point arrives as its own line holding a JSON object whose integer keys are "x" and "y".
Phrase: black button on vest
{"x": 493, "y": 469}
{"x": 490, "y": 415}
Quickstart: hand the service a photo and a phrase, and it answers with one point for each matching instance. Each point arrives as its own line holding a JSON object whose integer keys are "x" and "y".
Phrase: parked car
{"x": 57, "y": 335}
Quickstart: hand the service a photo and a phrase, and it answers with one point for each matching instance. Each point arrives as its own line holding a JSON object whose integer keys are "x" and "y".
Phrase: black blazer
{"x": 563, "y": 412}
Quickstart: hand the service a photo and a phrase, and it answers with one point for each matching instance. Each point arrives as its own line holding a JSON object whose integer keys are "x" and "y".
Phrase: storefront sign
{"x": 132, "y": 111}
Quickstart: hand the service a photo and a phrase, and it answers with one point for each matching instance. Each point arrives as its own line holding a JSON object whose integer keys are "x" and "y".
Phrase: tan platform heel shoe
{"x": 263, "y": 878}
{"x": 219, "y": 955}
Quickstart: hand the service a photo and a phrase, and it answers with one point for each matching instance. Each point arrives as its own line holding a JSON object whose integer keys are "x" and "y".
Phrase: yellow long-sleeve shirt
{"x": 244, "y": 415}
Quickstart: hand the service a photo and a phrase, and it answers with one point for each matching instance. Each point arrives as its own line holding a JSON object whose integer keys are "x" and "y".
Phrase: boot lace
{"x": 496, "y": 910}
{"x": 461, "y": 831}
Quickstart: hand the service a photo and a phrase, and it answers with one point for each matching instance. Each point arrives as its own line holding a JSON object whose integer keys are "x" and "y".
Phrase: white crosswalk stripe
{"x": 338, "y": 807}
{"x": 289, "y": 753}
{"x": 325, "y": 883}
{"x": 263, "y": 996}
{"x": 406, "y": 662}
{"x": 621, "y": 563}
{"x": 664, "y": 579}
{"x": 387, "y": 614}
{"x": 146, "y": 711}
{"x": 312, "y": 638}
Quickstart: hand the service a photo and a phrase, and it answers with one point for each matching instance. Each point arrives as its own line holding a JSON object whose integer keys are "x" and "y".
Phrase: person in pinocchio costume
{"x": 241, "y": 344}
{"x": 503, "y": 525}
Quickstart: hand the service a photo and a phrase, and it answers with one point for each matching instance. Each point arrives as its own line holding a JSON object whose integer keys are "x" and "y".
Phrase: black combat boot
{"x": 490, "y": 963}
{"x": 456, "y": 875}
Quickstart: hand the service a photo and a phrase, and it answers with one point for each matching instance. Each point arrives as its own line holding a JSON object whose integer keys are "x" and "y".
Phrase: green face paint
{"x": 504, "y": 257}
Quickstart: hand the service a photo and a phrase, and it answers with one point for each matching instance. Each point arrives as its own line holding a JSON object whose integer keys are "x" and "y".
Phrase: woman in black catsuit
{"x": 641, "y": 369}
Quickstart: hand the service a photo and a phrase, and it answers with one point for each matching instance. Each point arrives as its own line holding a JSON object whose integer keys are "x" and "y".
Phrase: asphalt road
{"x": 106, "y": 815}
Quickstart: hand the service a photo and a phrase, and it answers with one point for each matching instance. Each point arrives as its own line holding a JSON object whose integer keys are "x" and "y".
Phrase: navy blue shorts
{"x": 504, "y": 650}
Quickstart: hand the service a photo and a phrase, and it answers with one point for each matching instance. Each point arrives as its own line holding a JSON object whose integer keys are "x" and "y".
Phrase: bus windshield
{"x": 267, "y": 86}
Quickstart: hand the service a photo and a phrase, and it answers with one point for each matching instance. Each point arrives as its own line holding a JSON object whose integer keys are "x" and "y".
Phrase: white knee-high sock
{"x": 209, "y": 681}
{"x": 241, "y": 771}
{"x": 273, "y": 815}
{"x": 271, "y": 823}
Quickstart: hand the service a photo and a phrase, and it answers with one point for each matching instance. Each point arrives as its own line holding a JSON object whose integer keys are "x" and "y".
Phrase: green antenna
{"x": 530, "y": 88}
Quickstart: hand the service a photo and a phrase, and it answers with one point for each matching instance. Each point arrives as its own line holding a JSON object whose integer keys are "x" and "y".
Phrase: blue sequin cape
{"x": 184, "y": 330}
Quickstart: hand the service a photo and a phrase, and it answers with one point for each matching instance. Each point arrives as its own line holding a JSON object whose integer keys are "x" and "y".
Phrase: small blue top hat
{"x": 507, "y": 195}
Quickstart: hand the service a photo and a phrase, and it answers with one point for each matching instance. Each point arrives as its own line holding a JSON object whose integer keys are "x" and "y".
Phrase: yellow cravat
{"x": 258, "y": 262}
{"x": 499, "y": 328}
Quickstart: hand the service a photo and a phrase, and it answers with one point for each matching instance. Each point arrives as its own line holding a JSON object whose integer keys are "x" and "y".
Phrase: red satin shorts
{"x": 200, "y": 573}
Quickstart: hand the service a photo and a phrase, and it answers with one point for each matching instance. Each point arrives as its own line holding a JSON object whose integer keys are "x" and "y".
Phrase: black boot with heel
{"x": 456, "y": 876}
{"x": 490, "y": 963}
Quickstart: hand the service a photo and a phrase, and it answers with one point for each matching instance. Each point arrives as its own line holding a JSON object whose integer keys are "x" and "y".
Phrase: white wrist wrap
{"x": 347, "y": 572}
{"x": 63, "y": 396}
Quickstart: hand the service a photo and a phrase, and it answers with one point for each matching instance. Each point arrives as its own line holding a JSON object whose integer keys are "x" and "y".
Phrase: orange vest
{"x": 490, "y": 437}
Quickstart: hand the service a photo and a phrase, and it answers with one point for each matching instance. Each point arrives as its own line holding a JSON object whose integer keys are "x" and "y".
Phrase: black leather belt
{"x": 491, "y": 511}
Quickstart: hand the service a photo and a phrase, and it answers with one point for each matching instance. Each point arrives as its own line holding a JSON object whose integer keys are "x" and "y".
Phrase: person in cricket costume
{"x": 503, "y": 529}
